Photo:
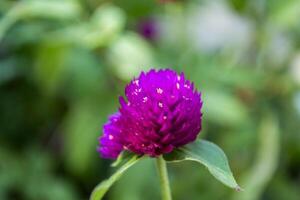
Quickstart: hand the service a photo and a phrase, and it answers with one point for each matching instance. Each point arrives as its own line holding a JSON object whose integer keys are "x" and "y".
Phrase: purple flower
{"x": 149, "y": 29}
{"x": 162, "y": 111}
{"x": 111, "y": 144}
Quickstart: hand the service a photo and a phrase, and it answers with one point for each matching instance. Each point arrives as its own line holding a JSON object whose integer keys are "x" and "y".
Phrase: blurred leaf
{"x": 81, "y": 128}
{"x": 239, "y": 77}
{"x": 223, "y": 108}
{"x": 85, "y": 75}
{"x": 55, "y": 9}
{"x": 208, "y": 154}
{"x": 287, "y": 15}
{"x": 50, "y": 65}
{"x": 103, "y": 187}
{"x": 28, "y": 34}
{"x": 129, "y": 55}
{"x": 36, "y": 167}
{"x": 104, "y": 26}
{"x": 5, "y": 5}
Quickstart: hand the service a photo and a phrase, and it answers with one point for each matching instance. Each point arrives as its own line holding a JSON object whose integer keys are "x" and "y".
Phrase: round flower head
{"x": 162, "y": 111}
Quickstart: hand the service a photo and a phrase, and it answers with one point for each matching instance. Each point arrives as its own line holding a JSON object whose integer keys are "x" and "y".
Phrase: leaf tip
{"x": 238, "y": 189}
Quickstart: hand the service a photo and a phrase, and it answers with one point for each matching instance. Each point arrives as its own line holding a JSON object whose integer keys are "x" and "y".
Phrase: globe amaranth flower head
{"x": 162, "y": 111}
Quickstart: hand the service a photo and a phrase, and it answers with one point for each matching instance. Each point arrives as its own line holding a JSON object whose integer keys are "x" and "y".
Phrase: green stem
{"x": 163, "y": 176}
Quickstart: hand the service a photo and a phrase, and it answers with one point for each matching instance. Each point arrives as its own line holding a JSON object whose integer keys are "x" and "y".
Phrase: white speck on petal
{"x": 160, "y": 104}
{"x": 186, "y": 98}
{"x": 136, "y": 82}
{"x": 110, "y": 137}
{"x": 159, "y": 90}
{"x": 177, "y": 86}
{"x": 186, "y": 86}
{"x": 164, "y": 117}
{"x": 145, "y": 99}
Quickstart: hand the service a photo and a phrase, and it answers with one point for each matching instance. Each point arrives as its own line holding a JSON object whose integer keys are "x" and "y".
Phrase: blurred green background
{"x": 63, "y": 64}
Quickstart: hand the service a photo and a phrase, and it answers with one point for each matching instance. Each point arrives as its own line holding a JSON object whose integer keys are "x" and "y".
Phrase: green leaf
{"x": 122, "y": 158}
{"x": 103, "y": 187}
{"x": 208, "y": 154}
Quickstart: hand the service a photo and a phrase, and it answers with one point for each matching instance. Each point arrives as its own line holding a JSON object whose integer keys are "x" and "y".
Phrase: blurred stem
{"x": 163, "y": 177}
{"x": 255, "y": 181}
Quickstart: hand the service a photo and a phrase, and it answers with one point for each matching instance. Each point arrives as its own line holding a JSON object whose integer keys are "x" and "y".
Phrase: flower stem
{"x": 163, "y": 177}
